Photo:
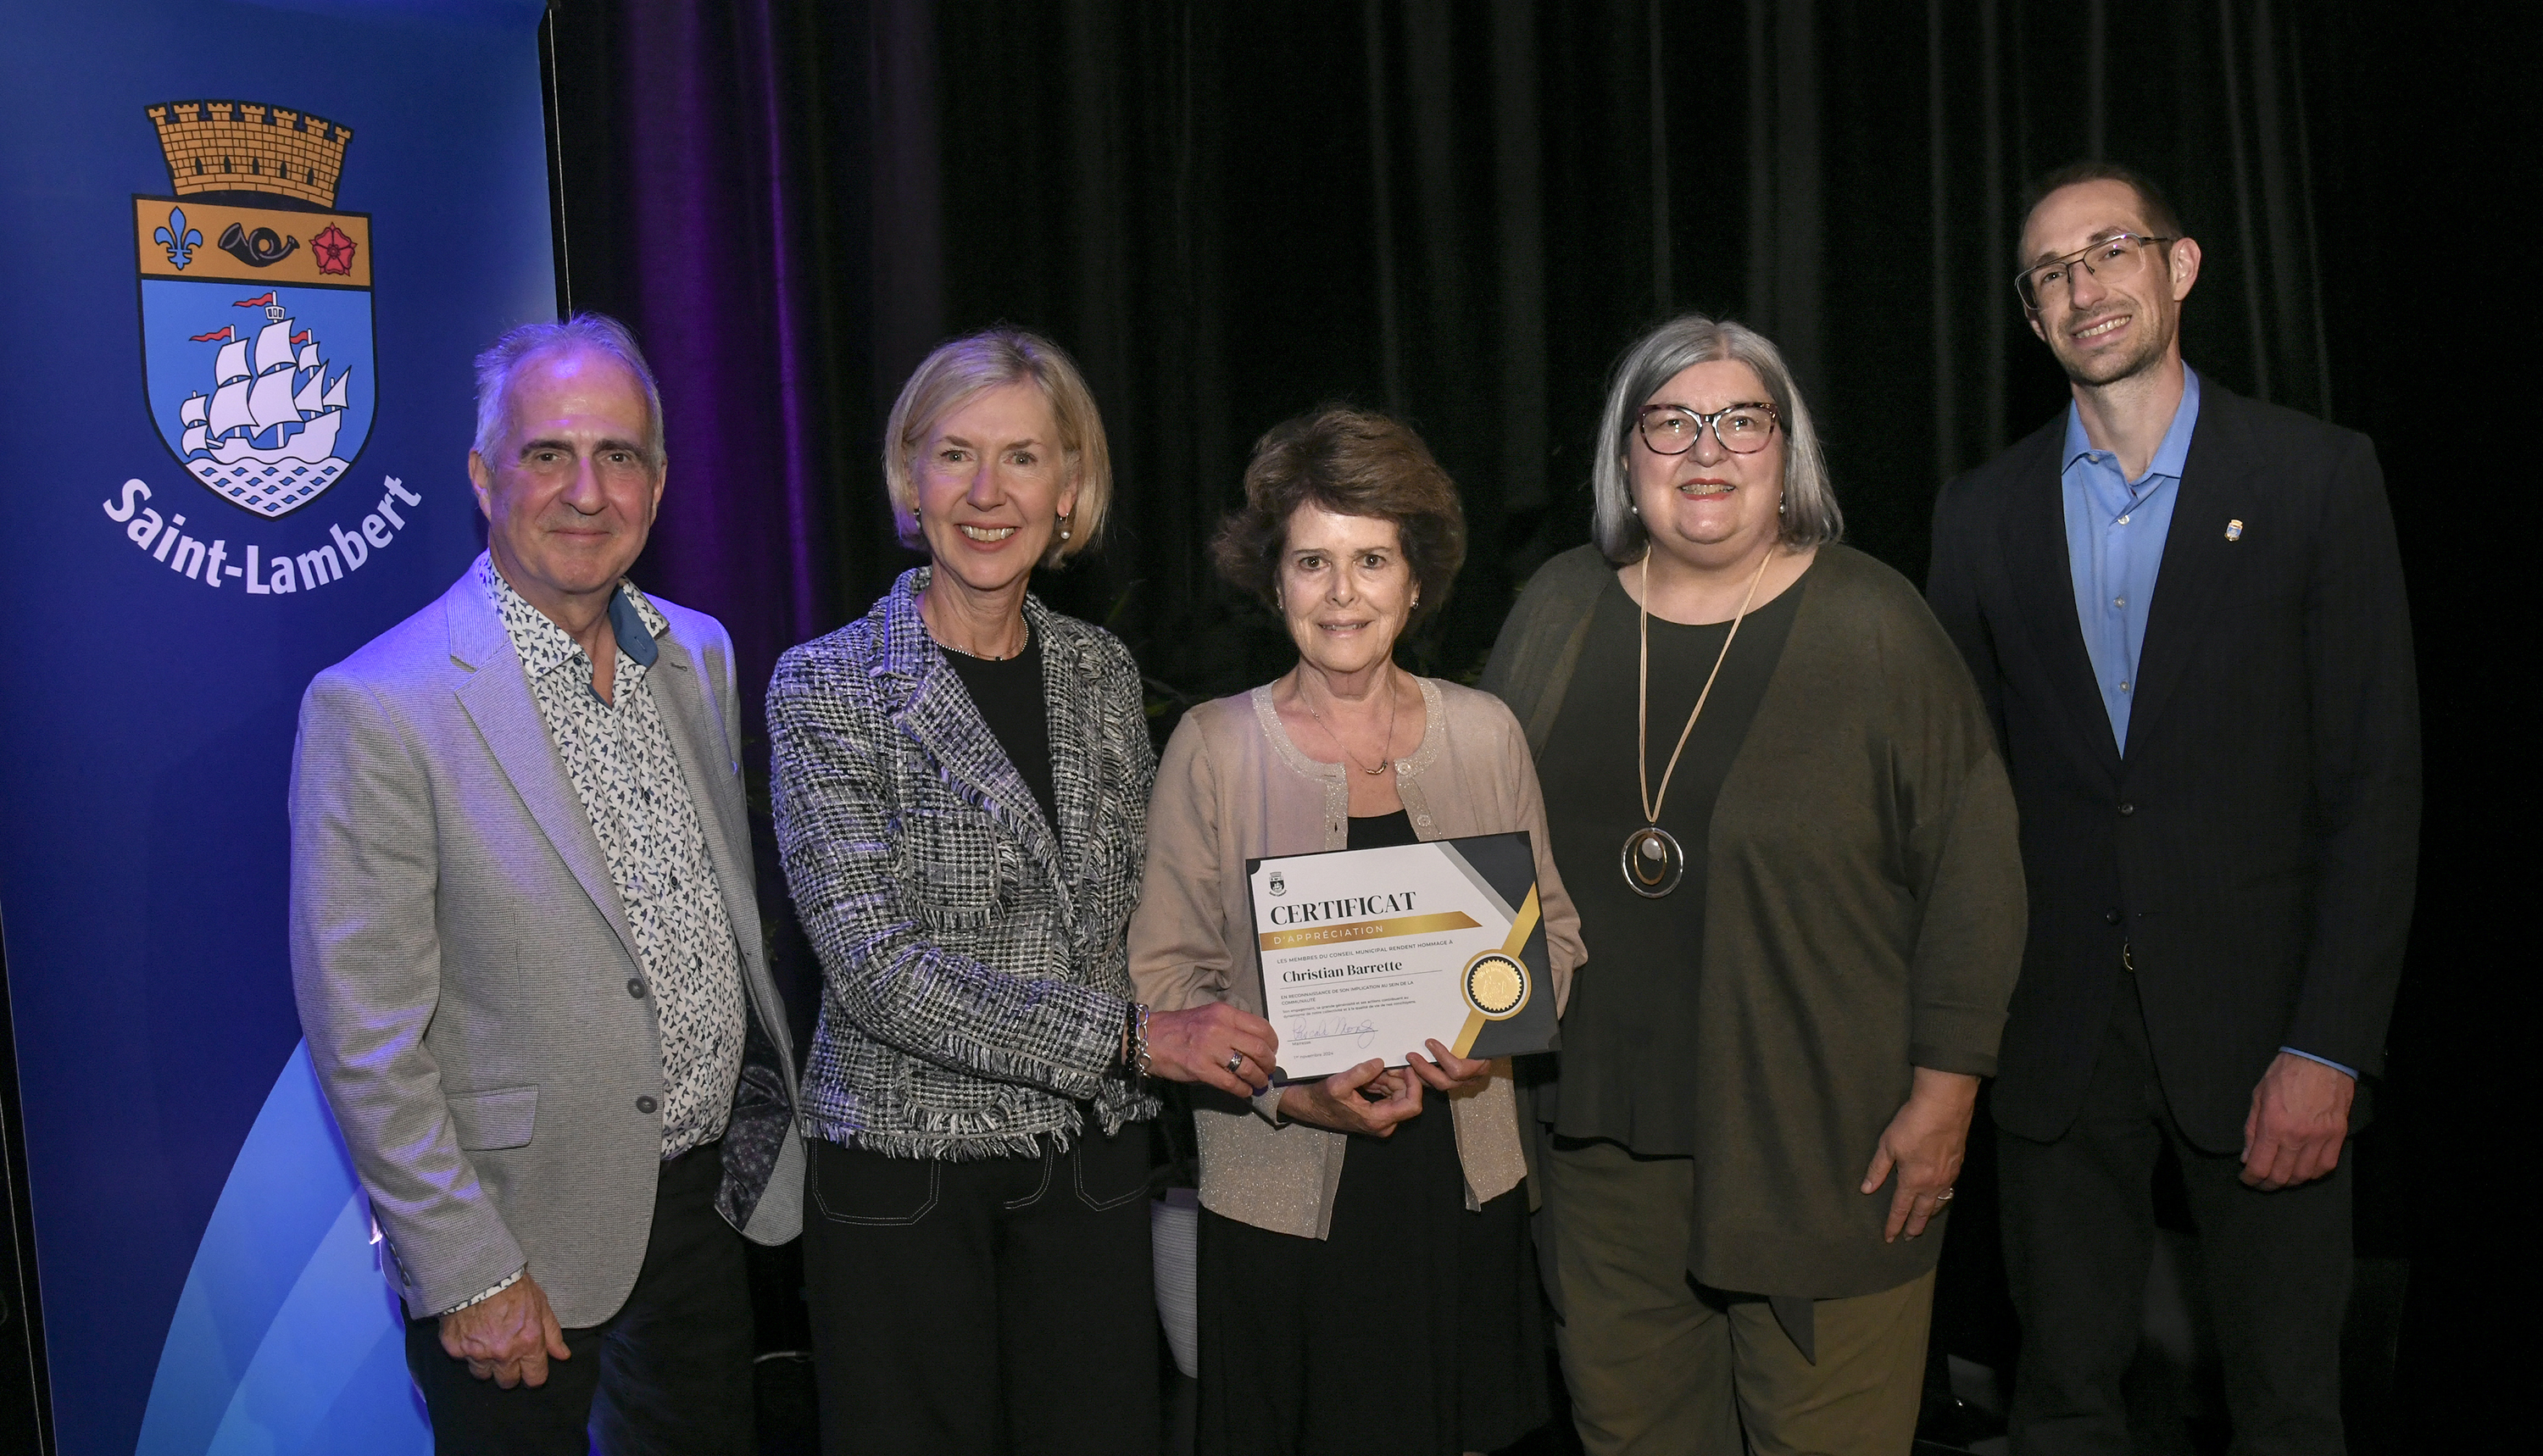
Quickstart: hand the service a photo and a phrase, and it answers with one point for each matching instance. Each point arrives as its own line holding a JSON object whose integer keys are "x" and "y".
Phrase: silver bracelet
{"x": 1140, "y": 1041}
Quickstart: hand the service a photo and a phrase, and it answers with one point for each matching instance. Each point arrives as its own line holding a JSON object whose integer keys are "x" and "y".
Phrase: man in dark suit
{"x": 2185, "y": 610}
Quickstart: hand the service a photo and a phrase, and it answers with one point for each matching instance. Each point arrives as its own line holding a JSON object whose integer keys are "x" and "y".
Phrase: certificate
{"x": 1370, "y": 953}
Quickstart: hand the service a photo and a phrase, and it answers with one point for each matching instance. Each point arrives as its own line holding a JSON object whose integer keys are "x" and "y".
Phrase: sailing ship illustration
{"x": 266, "y": 436}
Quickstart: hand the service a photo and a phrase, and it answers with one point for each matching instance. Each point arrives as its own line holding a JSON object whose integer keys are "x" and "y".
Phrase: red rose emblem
{"x": 334, "y": 248}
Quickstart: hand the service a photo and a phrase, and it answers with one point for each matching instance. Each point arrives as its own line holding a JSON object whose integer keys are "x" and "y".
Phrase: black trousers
{"x": 667, "y": 1375}
{"x": 1004, "y": 1305}
{"x": 2079, "y": 1236}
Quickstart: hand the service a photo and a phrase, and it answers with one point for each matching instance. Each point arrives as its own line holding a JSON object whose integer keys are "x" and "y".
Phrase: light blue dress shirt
{"x": 2115, "y": 534}
{"x": 2115, "y": 528}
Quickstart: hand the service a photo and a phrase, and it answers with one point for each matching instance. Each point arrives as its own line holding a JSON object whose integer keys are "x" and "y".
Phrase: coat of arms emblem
{"x": 255, "y": 303}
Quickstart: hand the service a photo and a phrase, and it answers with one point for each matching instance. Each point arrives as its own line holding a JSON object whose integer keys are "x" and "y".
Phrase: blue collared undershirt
{"x": 2116, "y": 530}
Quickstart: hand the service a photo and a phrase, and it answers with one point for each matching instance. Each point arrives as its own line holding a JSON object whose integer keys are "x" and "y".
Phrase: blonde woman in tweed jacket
{"x": 961, "y": 780}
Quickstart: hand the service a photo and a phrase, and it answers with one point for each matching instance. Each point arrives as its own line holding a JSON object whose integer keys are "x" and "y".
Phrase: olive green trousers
{"x": 1658, "y": 1365}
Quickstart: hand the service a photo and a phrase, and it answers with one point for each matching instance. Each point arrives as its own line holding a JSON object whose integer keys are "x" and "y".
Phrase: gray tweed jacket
{"x": 974, "y": 959}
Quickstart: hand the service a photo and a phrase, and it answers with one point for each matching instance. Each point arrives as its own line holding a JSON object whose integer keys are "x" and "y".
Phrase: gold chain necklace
{"x": 1654, "y": 861}
{"x": 1385, "y": 749}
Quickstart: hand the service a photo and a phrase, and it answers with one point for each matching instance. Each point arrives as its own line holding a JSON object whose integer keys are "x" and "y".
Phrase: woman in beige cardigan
{"x": 1364, "y": 1270}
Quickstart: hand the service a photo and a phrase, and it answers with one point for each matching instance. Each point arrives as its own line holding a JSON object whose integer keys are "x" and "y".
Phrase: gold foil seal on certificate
{"x": 1496, "y": 985}
{"x": 1496, "y": 982}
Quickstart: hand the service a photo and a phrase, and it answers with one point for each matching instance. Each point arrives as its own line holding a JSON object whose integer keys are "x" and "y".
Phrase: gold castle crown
{"x": 245, "y": 146}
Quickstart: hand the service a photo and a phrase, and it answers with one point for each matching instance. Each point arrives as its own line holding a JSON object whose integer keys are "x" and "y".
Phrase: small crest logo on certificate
{"x": 1371, "y": 953}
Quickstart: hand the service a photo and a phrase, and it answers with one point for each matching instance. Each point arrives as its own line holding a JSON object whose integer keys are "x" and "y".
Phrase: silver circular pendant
{"x": 1652, "y": 862}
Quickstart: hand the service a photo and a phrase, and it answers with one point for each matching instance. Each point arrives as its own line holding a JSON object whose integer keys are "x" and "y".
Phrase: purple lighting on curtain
{"x": 722, "y": 304}
{"x": 793, "y": 327}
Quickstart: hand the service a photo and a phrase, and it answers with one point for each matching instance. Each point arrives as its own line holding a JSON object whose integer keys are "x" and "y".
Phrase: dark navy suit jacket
{"x": 2255, "y": 850}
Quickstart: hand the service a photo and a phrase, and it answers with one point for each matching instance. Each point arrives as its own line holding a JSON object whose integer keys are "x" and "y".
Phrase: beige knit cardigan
{"x": 1234, "y": 787}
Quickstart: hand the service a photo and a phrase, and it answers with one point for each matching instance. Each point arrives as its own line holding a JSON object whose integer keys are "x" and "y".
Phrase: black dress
{"x": 1414, "y": 1329}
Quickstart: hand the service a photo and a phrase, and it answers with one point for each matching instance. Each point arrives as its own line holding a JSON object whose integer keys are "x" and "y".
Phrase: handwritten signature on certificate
{"x": 1330, "y": 1029}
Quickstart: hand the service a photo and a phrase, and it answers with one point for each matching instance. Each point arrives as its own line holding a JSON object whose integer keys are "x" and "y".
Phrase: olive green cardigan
{"x": 1863, "y": 914}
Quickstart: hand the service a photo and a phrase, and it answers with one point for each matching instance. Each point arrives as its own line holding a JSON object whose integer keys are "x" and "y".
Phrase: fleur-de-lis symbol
{"x": 180, "y": 240}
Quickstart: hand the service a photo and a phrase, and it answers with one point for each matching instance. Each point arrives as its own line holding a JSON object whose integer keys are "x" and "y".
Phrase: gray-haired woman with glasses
{"x": 1775, "y": 796}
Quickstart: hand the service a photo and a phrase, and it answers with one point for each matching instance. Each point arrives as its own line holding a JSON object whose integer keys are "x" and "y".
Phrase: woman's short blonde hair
{"x": 995, "y": 359}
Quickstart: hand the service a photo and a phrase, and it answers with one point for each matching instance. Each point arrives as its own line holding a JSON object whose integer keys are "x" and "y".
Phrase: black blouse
{"x": 1009, "y": 694}
{"x": 1631, "y": 1022}
{"x": 1381, "y": 831}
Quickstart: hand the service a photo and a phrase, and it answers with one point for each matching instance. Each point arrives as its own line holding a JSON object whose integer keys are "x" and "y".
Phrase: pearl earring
{"x": 1063, "y": 528}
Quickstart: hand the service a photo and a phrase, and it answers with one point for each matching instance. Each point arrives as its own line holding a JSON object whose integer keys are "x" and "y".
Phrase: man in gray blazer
{"x": 526, "y": 948}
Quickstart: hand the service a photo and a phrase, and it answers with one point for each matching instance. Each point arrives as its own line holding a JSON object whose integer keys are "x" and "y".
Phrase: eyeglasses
{"x": 1742, "y": 429}
{"x": 2117, "y": 256}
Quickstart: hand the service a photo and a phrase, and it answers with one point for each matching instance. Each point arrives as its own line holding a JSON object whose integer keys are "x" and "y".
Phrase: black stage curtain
{"x": 1461, "y": 210}
{"x": 1458, "y": 212}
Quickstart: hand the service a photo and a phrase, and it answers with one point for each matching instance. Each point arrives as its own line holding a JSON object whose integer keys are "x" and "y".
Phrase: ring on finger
{"x": 1235, "y": 1062}
{"x": 1944, "y": 1197}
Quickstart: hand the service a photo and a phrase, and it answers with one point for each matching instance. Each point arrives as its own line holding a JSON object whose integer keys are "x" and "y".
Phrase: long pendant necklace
{"x": 1387, "y": 748}
{"x": 1652, "y": 861}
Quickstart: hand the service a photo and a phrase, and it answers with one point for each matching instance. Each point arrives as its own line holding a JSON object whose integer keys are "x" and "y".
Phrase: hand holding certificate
{"x": 1216, "y": 1045}
{"x": 1377, "y": 952}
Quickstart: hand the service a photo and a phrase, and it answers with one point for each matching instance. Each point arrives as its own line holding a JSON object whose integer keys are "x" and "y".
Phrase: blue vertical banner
{"x": 254, "y": 247}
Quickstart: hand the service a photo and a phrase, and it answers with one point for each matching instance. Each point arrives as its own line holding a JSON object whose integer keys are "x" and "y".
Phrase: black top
{"x": 1631, "y": 1022}
{"x": 1382, "y": 832}
{"x": 2254, "y": 851}
{"x": 1008, "y": 692}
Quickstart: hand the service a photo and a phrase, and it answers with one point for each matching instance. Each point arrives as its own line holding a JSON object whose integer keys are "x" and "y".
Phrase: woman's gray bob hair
{"x": 1810, "y": 514}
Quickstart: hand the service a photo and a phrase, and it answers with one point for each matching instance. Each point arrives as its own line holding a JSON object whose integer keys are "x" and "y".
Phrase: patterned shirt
{"x": 627, "y": 775}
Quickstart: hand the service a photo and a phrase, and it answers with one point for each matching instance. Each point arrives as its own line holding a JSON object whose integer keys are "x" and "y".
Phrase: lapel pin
{"x": 2233, "y": 530}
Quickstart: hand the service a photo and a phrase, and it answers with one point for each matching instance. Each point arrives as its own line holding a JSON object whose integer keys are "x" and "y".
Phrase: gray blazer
{"x": 463, "y": 966}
